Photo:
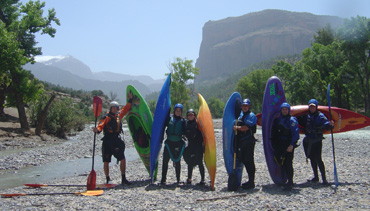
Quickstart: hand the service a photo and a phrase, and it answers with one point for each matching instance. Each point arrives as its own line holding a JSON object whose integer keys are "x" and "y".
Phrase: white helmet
{"x": 114, "y": 104}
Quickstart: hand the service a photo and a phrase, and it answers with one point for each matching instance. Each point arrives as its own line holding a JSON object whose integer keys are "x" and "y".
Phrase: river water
{"x": 55, "y": 170}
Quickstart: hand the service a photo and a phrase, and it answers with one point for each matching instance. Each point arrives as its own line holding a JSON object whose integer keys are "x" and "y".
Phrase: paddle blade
{"x": 91, "y": 193}
{"x": 232, "y": 182}
{"x": 35, "y": 185}
{"x": 97, "y": 106}
{"x": 12, "y": 195}
{"x": 91, "y": 181}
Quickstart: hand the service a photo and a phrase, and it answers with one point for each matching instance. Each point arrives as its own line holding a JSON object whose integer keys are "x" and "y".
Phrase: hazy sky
{"x": 142, "y": 37}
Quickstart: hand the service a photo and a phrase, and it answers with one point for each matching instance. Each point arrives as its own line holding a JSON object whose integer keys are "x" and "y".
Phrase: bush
{"x": 63, "y": 116}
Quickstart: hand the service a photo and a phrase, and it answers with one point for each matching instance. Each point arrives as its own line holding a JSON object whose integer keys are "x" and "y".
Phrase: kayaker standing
{"x": 193, "y": 154}
{"x": 315, "y": 123}
{"x": 284, "y": 137}
{"x": 113, "y": 144}
{"x": 245, "y": 142}
{"x": 174, "y": 145}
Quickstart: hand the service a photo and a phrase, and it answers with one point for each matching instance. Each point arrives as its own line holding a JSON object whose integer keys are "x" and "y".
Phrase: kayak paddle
{"x": 91, "y": 179}
{"x": 332, "y": 140}
{"x": 86, "y": 193}
{"x": 46, "y": 185}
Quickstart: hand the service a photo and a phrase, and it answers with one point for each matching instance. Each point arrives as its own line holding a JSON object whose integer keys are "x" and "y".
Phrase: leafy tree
{"x": 328, "y": 65}
{"x": 182, "y": 72}
{"x": 297, "y": 83}
{"x": 19, "y": 24}
{"x": 253, "y": 86}
{"x": 216, "y": 106}
{"x": 11, "y": 56}
{"x": 355, "y": 33}
{"x": 325, "y": 36}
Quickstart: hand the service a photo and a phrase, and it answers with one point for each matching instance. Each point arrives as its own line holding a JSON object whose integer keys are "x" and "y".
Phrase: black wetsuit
{"x": 193, "y": 153}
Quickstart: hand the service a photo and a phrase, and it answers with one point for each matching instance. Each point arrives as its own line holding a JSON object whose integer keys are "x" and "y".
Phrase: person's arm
{"x": 294, "y": 129}
{"x": 326, "y": 123}
{"x": 102, "y": 122}
{"x": 124, "y": 110}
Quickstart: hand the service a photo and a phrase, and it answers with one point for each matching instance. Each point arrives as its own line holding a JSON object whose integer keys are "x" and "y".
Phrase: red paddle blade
{"x": 35, "y": 185}
{"x": 97, "y": 105}
{"x": 12, "y": 195}
{"x": 91, "y": 181}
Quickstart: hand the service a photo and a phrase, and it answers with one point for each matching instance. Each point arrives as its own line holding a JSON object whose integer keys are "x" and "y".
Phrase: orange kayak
{"x": 205, "y": 124}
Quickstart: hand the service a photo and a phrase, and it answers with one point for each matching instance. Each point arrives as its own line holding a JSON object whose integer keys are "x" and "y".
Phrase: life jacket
{"x": 114, "y": 125}
{"x": 192, "y": 132}
{"x": 175, "y": 128}
{"x": 284, "y": 129}
{"x": 314, "y": 127}
{"x": 249, "y": 134}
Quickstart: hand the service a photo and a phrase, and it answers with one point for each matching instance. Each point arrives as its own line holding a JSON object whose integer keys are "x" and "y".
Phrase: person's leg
{"x": 320, "y": 163}
{"x": 123, "y": 171}
{"x": 288, "y": 168}
{"x": 106, "y": 171}
{"x": 315, "y": 155}
{"x": 166, "y": 159}
{"x": 249, "y": 165}
{"x": 190, "y": 173}
{"x": 178, "y": 171}
{"x": 201, "y": 170}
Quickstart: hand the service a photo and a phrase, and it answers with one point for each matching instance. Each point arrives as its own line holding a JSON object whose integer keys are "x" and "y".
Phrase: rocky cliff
{"x": 234, "y": 43}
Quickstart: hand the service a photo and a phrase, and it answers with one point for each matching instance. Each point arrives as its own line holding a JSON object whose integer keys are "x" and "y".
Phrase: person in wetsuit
{"x": 193, "y": 154}
{"x": 245, "y": 142}
{"x": 314, "y": 124}
{"x": 174, "y": 145}
{"x": 113, "y": 144}
{"x": 284, "y": 137}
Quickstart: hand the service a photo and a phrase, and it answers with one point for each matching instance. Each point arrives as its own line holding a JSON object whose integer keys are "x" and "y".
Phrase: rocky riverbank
{"x": 353, "y": 193}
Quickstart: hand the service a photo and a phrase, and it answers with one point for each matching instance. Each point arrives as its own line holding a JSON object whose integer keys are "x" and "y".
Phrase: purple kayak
{"x": 273, "y": 98}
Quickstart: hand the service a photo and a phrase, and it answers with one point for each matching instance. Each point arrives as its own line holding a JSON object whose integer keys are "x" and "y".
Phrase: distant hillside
{"x": 67, "y": 71}
{"x": 64, "y": 78}
{"x": 234, "y": 43}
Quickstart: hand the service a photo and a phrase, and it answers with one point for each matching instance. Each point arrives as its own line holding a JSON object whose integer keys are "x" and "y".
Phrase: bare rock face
{"x": 234, "y": 43}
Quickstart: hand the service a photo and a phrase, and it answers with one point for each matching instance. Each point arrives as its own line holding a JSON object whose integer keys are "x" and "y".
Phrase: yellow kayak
{"x": 205, "y": 124}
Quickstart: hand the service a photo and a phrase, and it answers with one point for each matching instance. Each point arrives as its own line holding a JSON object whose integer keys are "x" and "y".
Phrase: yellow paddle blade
{"x": 91, "y": 193}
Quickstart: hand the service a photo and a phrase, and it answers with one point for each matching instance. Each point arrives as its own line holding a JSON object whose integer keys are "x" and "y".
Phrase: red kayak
{"x": 345, "y": 120}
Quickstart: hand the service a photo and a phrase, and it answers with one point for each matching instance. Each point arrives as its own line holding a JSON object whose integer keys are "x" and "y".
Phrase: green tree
{"x": 216, "y": 107}
{"x": 297, "y": 83}
{"x": 182, "y": 72}
{"x": 21, "y": 23}
{"x": 325, "y": 36}
{"x": 252, "y": 86}
{"x": 355, "y": 34}
{"x": 11, "y": 56}
{"x": 328, "y": 64}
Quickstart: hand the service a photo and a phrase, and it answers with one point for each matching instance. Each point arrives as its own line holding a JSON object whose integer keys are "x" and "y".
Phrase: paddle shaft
{"x": 92, "y": 168}
{"x": 332, "y": 139}
{"x": 87, "y": 193}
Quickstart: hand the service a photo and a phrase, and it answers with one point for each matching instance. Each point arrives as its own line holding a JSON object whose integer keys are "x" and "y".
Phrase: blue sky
{"x": 142, "y": 37}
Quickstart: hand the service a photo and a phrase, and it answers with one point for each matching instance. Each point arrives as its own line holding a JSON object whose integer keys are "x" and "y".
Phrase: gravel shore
{"x": 352, "y": 159}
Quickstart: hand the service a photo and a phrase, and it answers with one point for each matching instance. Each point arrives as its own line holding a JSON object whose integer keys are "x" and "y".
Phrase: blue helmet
{"x": 246, "y": 102}
{"x": 178, "y": 105}
{"x": 313, "y": 102}
{"x": 285, "y": 105}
